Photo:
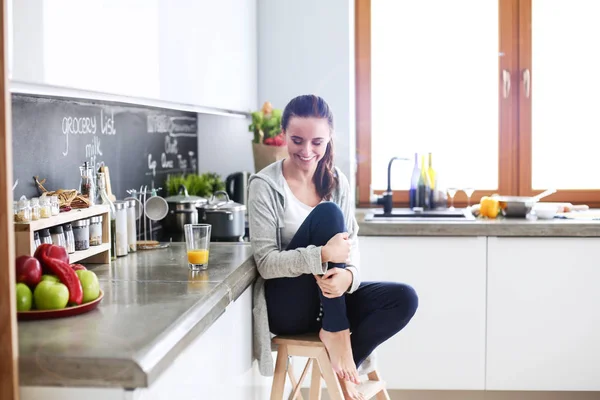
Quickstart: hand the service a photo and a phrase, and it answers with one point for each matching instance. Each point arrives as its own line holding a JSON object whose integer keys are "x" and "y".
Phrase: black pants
{"x": 374, "y": 312}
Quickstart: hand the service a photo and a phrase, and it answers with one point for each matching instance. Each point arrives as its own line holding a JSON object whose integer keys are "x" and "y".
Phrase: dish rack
{"x": 25, "y": 245}
{"x": 143, "y": 222}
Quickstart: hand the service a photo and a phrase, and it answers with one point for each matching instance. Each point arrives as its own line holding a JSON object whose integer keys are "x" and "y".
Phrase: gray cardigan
{"x": 266, "y": 205}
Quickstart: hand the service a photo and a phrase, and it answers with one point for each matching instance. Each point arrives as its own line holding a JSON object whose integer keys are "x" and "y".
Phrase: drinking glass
{"x": 451, "y": 193}
{"x": 197, "y": 243}
{"x": 469, "y": 192}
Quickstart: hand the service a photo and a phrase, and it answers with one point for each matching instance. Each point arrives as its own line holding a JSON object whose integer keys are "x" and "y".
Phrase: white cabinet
{"x": 543, "y": 328}
{"x": 208, "y": 53}
{"x": 108, "y": 46}
{"x": 201, "y": 53}
{"x": 443, "y": 347}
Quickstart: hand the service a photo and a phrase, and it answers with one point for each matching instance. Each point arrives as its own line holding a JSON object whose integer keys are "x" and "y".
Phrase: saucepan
{"x": 520, "y": 206}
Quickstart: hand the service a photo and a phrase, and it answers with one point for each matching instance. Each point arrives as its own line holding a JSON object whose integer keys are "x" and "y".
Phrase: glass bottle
{"x": 35, "y": 209}
{"x": 433, "y": 197}
{"x": 45, "y": 211}
{"x": 87, "y": 187}
{"x": 424, "y": 187}
{"x": 414, "y": 181}
{"x": 58, "y": 236}
{"x": 45, "y": 236}
{"x": 36, "y": 239}
{"x": 113, "y": 215}
{"x": 69, "y": 238}
{"x": 54, "y": 205}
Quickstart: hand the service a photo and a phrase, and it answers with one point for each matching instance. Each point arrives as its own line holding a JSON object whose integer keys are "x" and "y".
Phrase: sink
{"x": 399, "y": 214}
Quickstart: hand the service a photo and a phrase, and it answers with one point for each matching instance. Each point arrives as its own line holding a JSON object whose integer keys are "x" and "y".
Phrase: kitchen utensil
{"x": 236, "y": 186}
{"x": 520, "y": 206}
{"x": 182, "y": 210}
{"x": 545, "y": 210}
{"x": 197, "y": 244}
{"x": 228, "y": 218}
{"x": 156, "y": 208}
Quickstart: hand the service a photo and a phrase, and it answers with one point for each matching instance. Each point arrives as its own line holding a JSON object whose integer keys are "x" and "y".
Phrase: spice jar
{"x": 54, "y": 206}
{"x": 35, "y": 208}
{"x": 131, "y": 225}
{"x": 23, "y": 213}
{"x": 121, "y": 228}
{"x": 81, "y": 231}
{"x": 96, "y": 230}
{"x": 45, "y": 211}
{"x": 36, "y": 240}
{"x": 69, "y": 238}
{"x": 58, "y": 236}
{"x": 45, "y": 236}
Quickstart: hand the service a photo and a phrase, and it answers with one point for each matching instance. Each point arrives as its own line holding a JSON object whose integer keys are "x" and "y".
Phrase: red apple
{"x": 28, "y": 271}
{"x": 78, "y": 267}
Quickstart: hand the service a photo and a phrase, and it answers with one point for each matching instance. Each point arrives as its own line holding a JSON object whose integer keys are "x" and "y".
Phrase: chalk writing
{"x": 174, "y": 126}
{"x": 108, "y": 123}
{"x": 166, "y": 163}
{"x": 170, "y": 145}
{"x": 77, "y": 126}
{"x": 151, "y": 165}
{"x": 182, "y": 162}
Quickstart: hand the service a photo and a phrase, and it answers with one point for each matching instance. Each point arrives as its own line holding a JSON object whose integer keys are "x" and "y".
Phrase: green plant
{"x": 203, "y": 185}
{"x": 266, "y": 125}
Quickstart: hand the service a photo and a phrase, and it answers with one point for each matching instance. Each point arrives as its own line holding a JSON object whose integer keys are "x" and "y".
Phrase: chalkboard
{"x": 53, "y": 136}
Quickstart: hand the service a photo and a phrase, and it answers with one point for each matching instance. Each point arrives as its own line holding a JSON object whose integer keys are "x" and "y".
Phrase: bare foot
{"x": 350, "y": 391}
{"x": 340, "y": 353}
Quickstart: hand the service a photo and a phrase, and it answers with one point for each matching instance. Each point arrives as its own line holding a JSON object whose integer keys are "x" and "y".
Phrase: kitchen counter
{"x": 478, "y": 227}
{"x": 153, "y": 307}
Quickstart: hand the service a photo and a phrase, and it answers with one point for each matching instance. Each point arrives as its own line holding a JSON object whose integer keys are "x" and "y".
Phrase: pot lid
{"x": 216, "y": 204}
{"x": 183, "y": 197}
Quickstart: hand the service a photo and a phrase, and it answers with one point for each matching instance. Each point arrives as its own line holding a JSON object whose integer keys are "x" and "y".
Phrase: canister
{"x": 81, "y": 231}
{"x": 121, "y": 228}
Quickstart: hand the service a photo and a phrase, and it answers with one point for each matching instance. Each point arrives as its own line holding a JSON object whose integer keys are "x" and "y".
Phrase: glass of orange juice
{"x": 197, "y": 243}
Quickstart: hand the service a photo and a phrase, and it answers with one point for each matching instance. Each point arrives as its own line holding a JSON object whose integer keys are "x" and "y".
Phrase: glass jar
{"x": 45, "y": 236}
{"x": 36, "y": 239}
{"x": 121, "y": 228}
{"x": 45, "y": 211}
{"x": 23, "y": 213}
{"x": 96, "y": 230}
{"x": 112, "y": 215}
{"x": 35, "y": 209}
{"x": 58, "y": 236}
{"x": 54, "y": 206}
{"x": 69, "y": 238}
{"x": 81, "y": 231}
{"x": 131, "y": 225}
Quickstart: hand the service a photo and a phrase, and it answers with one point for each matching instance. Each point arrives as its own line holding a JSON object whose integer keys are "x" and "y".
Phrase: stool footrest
{"x": 371, "y": 388}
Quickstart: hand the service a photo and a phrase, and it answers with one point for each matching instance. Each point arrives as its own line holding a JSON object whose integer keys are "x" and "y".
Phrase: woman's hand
{"x": 337, "y": 249}
{"x": 335, "y": 282}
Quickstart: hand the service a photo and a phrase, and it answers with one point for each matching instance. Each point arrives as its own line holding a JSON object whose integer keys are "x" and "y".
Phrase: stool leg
{"x": 279, "y": 374}
{"x": 383, "y": 394}
{"x": 315, "y": 383}
{"x": 333, "y": 385}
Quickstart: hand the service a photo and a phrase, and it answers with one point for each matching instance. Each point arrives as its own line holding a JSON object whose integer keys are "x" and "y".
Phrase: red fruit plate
{"x": 62, "y": 313}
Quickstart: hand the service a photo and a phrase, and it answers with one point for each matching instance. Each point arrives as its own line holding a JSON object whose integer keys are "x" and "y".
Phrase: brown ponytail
{"x": 305, "y": 106}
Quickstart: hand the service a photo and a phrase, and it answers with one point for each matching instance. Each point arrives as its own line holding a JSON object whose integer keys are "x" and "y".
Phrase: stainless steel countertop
{"x": 479, "y": 227}
{"x": 153, "y": 307}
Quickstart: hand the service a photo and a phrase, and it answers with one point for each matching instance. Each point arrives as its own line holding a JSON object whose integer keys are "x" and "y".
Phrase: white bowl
{"x": 545, "y": 211}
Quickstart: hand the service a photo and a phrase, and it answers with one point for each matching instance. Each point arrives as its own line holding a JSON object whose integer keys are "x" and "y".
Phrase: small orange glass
{"x": 197, "y": 242}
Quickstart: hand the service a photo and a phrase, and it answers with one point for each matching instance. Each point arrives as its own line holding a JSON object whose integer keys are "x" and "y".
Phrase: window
{"x": 503, "y": 98}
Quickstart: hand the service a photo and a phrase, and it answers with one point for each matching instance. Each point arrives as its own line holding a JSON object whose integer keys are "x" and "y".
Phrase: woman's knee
{"x": 407, "y": 301}
{"x": 329, "y": 211}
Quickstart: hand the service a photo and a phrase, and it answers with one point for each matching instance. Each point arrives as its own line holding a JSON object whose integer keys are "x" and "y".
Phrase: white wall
{"x": 308, "y": 47}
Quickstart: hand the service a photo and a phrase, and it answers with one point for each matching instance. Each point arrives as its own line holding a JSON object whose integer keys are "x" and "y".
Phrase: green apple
{"x": 24, "y": 297}
{"x": 50, "y": 295}
{"x": 51, "y": 278}
{"x": 89, "y": 284}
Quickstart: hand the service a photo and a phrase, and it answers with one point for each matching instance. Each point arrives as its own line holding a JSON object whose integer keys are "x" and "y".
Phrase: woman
{"x": 304, "y": 236}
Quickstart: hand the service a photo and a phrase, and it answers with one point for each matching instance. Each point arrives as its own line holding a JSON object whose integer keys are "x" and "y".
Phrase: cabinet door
{"x": 110, "y": 46}
{"x": 543, "y": 322}
{"x": 443, "y": 347}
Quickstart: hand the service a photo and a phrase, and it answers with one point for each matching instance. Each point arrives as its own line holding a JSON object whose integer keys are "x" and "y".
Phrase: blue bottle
{"x": 414, "y": 182}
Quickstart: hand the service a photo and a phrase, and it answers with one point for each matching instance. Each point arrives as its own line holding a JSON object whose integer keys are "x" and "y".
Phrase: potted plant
{"x": 268, "y": 144}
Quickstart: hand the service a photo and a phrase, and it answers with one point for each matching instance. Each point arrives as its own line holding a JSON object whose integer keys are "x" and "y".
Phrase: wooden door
{"x": 9, "y": 373}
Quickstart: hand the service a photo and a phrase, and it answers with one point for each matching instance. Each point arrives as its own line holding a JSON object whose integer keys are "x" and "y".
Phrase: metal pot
{"x": 228, "y": 218}
{"x": 182, "y": 210}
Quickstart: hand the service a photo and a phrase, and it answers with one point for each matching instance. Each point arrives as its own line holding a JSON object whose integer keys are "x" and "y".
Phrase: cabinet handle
{"x": 506, "y": 82}
{"x": 527, "y": 82}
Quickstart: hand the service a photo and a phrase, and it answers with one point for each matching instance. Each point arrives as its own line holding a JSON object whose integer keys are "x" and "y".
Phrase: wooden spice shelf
{"x": 25, "y": 245}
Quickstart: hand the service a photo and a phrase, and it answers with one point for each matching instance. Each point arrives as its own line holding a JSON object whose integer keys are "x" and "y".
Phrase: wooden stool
{"x": 311, "y": 346}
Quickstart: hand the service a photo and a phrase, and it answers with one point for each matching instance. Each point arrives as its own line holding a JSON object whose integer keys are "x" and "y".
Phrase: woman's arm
{"x": 347, "y": 206}
{"x": 262, "y": 222}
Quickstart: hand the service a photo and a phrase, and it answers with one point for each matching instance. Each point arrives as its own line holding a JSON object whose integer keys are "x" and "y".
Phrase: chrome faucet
{"x": 388, "y": 194}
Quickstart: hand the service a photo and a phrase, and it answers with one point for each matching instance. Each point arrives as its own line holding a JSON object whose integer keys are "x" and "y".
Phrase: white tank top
{"x": 294, "y": 215}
